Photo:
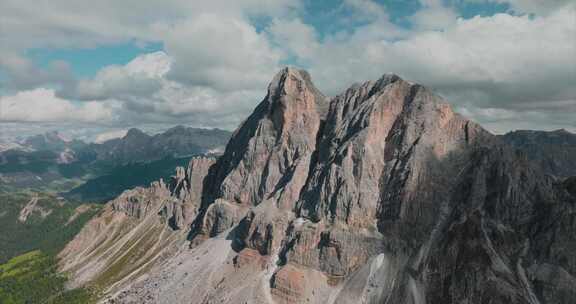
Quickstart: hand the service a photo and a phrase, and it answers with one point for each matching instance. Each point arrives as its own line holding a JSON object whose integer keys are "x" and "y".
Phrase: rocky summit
{"x": 381, "y": 194}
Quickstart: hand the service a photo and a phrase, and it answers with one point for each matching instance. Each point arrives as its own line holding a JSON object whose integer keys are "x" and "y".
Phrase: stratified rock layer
{"x": 380, "y": 195}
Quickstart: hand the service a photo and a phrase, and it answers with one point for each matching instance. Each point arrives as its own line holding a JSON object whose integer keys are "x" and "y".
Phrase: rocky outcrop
{"x": 221, "y": 216}
{"x": 140, "y": 202}
{"x": 33, "y": 207}
{"x": 186, "y": 188}
{"x": 381, "y": 195}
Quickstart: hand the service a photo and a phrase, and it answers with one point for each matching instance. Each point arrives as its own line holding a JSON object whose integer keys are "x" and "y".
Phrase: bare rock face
{"x": 186, "y": 188}
{"x": 387, "y": 157}
{"x": 381, "y": 195}
{"x": 140, "y": 202}
{"x": 268, "y": 159}
{"x": 221, "y": 216}
{"x": 33, "y": 207}
{"x": 269, "y": 155}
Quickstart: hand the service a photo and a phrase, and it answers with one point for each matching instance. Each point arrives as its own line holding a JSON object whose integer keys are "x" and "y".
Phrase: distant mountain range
{"x": 46, "y": 180}
{"x": 51, "y": 162}
{"x": 553, "y": 151}
{"x": 137, "y": 146}
{"x": 51, "y": 141}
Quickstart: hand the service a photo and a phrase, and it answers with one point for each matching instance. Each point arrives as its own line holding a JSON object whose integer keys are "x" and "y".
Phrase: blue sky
{"x": 86, "y": 62}
{"x": 110, "y": 65}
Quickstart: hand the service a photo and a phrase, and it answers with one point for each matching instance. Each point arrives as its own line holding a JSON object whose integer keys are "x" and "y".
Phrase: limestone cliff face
{"x": 186, "y": 188}
{"x": 266, "y": 163}
{"x": 380, "y": 195}
{"x": 269, "y": 155}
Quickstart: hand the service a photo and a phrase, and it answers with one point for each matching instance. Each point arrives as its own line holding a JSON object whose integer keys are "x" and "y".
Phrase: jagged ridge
{"x": 381, "y": 195}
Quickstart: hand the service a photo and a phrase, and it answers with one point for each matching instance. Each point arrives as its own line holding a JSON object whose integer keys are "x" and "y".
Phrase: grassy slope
{"x": 33, "y": 278}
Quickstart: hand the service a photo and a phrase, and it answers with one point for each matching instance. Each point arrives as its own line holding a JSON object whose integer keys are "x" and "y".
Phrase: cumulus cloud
{"x": 434, "y": 15}
{"x": 42, "y": 105}
{"x": 297, "y": 38}
{"x": 21, "y": 74}
{"x": 500, "y": 70}
{"x": 70, "y": 23}
{"x": 143, "y": 93}
{"x": 225, "y": 53}
{"x": 539, "y": 7}
{"x": 214, "y": 69}
{"x": 139, "y": 78}
{"x": 501, "y": 49}
{"x": 366, "y": 10}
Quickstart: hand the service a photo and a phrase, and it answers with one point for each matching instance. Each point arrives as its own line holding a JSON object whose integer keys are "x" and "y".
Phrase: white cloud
{"x": 434, "y": 16}
{"x": 108, "y": 135}
{"x": 70, "y": 23}
{"x": 21, "y": 73}
{"x": 299, "y": 39}
{"x": 214, "y": 69}
{"x": 366, "y": 10}
{"x": 42, "y": 105}
{"x": 539, "y": 7}
{"x": 140, "y": 77}
{"x": 225, "y": 53}
{"x": 216, "y": 63}
{"x": 143, "y": 93}
{"x": 510, "y": 59}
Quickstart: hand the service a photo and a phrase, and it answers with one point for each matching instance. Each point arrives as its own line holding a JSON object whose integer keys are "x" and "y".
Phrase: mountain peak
{"x": 297, "y": 83}
{"x": 389, "y": 78}
{"x": 135, "y": 132}
{"x": 47, "y": 141}
{"x": 286, "y": 76}
{"x": 562, "y": 131}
